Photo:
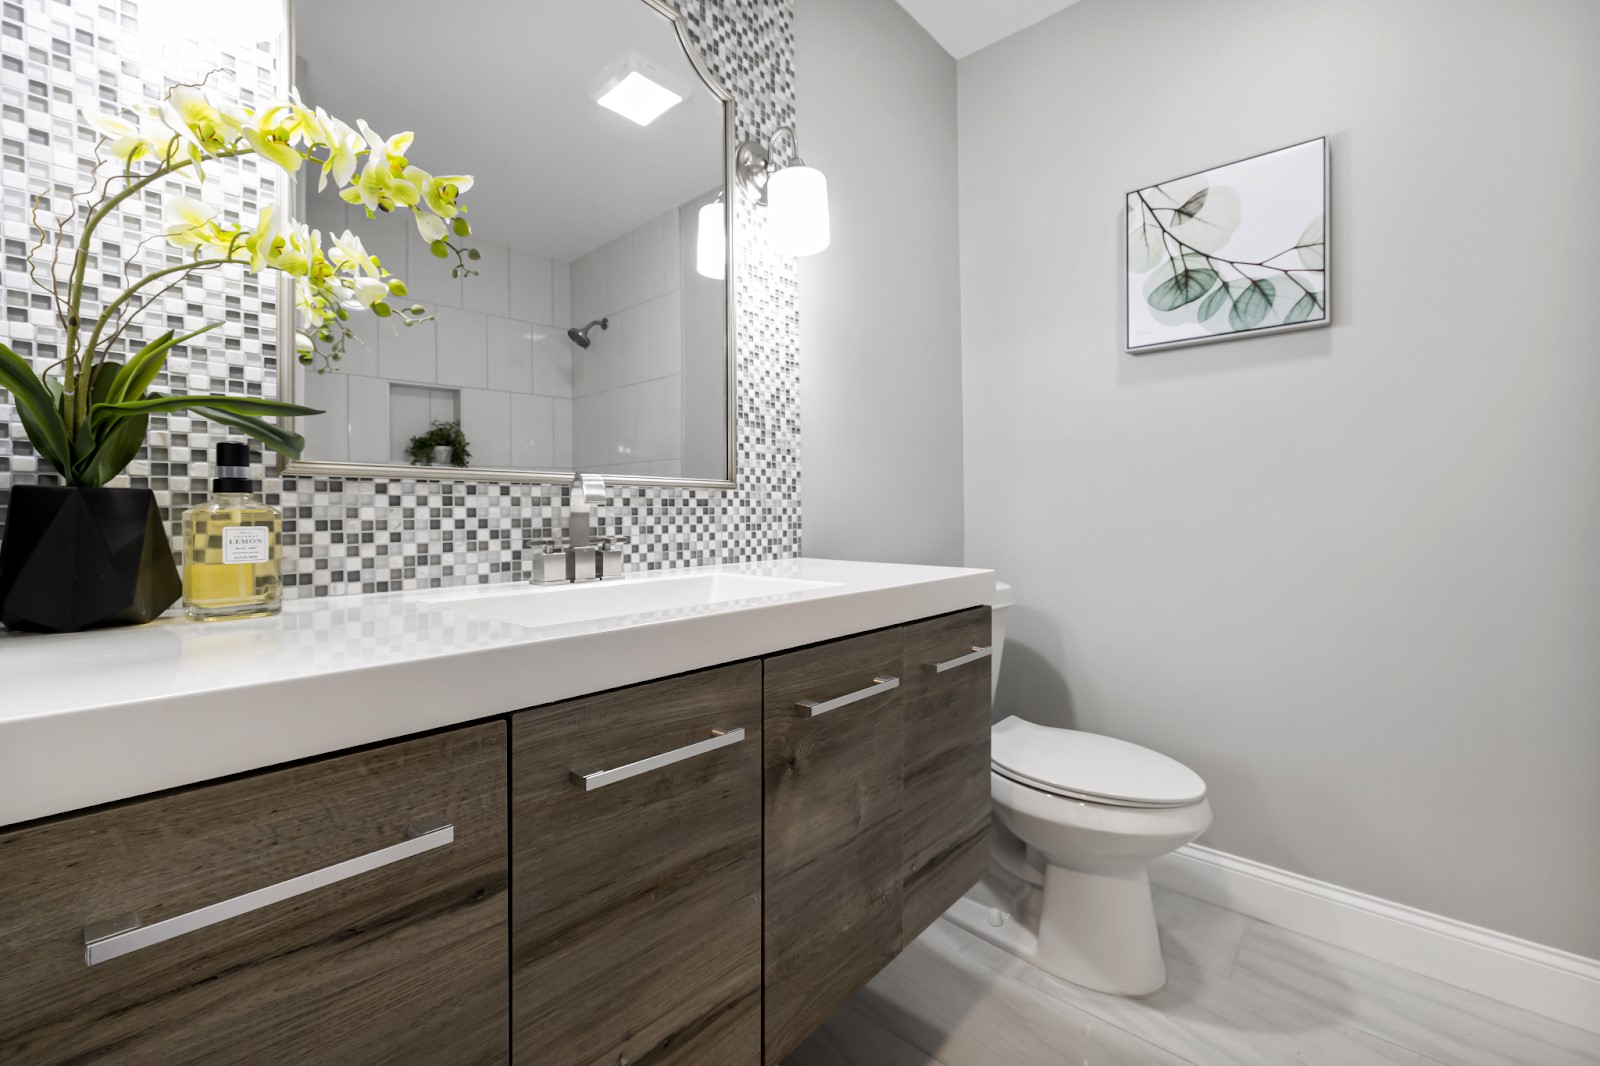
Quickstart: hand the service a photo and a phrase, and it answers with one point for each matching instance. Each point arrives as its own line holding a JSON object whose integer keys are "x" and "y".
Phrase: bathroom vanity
{"x": 694, "y": 866}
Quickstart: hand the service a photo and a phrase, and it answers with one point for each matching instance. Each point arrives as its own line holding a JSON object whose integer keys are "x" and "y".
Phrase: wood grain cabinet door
{"x": 636, "y": 873}
{"x": 946, "y": 826}
{"x": 833, "y": 764}
{"x": 399, "y": 956}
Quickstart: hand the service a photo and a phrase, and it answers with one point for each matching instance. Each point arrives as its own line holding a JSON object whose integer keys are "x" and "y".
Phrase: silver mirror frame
{"x": 287, "y": 369}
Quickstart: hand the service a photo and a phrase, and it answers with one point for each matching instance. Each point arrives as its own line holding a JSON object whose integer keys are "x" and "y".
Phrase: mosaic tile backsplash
{"x": 58, "y": 57}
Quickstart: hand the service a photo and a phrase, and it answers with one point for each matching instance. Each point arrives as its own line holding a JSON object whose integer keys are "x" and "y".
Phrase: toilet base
{"x": 1095, "y": 930}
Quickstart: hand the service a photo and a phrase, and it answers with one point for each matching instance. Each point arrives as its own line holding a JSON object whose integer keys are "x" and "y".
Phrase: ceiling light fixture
{"x": 632, "y": 93}
{"x": 796, "y": 195}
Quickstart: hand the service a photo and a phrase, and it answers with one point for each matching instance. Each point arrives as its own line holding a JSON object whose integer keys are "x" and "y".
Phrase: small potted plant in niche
{"x": 443, "y": 443}
{"x": 85, "y": 555}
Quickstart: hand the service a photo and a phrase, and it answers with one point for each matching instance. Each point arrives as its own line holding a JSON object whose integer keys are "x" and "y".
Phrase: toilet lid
{"x": 1089, "y": 766}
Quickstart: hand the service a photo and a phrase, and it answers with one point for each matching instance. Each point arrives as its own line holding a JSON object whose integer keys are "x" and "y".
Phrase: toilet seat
{"x": 1091, "y": 767}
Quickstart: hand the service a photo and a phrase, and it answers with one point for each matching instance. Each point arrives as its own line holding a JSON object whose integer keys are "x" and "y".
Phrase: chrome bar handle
{"x": 812, "y": 708}
{"x": 720, "y": 738}
{"x": 116, "y": 937}
{"x": 960, "y": 660}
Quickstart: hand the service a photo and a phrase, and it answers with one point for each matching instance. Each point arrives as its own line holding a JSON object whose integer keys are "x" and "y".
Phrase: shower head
{"x": 580, "y": 337}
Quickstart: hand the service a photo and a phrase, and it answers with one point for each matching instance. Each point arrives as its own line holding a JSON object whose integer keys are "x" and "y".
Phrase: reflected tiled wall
{"x": 496, "y": 355}
{"x": 627, "y": 387}
{"x": 345, "y": 536}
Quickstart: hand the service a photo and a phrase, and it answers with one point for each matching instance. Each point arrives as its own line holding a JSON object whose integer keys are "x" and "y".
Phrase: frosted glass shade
{"x": 797, "y": 202}
{"x": 711, "y": 242}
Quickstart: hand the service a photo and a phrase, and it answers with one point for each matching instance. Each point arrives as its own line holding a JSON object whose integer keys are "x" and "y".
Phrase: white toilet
{"x": 1083, "y": 815}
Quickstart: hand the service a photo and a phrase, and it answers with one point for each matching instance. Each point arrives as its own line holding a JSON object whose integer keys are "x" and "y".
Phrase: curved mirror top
{"x": 589, "y": 326}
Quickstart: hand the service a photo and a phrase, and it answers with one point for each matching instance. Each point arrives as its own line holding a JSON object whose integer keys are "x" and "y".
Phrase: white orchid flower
{"x": 367, "y": 291}
{"x": 189, "y": 223}
{"x": 126, "y": 141}
{"x": 350, "y": 255}
{"x": 431, "y": 227}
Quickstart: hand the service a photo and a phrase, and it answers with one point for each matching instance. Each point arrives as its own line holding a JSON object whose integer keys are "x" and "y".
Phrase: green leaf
{"x": 136, "y": 378}
{"x": 275, "y": 437}
{"x": 1184, "y": 287}
{"x": 117, "y": 448}
{"x": 237, "y": 405}
{"x": 1251, "y": 305}
{"x": 1213, "y": 303}
{"x": 1308, "y": 305}
{"x": 1191, "y": 207}
{"x": 100, "y": 385}
{"x": 1312, "y": 245}
{"x": 1145, "y": 248}
{"x": 37, "y": 408}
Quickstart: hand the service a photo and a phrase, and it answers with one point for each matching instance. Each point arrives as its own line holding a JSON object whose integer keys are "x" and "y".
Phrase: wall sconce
{"x": 795, "y": 195}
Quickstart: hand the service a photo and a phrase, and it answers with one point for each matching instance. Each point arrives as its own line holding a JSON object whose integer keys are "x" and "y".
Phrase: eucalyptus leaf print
{"x": 1237, "y": 249}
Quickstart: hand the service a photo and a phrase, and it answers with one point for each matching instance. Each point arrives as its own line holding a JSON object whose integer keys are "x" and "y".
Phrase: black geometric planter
{"x": 82, "y": 558}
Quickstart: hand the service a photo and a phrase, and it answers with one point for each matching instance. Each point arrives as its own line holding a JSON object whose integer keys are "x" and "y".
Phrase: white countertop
{"x": 89, "y": 718}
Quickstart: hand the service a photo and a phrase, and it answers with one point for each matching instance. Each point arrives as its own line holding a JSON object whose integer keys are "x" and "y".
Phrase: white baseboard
{"x": 1556, "y": 984}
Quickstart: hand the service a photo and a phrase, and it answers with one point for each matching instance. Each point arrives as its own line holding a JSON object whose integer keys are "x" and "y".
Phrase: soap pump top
{"x": 232, "y": 472}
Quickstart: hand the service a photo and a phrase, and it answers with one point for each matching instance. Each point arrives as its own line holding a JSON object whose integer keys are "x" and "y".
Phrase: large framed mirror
{"x": 597, "y": 334}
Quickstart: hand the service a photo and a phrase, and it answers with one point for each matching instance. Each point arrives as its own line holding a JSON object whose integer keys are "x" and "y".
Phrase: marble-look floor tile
{"x": 1198, "y": 932}
{"x": 1199, "y": 1015}
{"x": 850, "y": 1038}
{"x": 956, "y": 1004}
{"x": 1455, "y": 1027}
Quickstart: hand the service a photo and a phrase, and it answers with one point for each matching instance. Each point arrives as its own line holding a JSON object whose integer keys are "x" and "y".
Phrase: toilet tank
{"x": 1001, "y": 603}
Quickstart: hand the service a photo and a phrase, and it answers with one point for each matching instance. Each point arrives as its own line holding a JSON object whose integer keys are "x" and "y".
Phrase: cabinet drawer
{"x": 946, "y": 780}
{"x": 833, "y": 828}
{"x": 397, "y": 958}
{"x": 636, "y": 916}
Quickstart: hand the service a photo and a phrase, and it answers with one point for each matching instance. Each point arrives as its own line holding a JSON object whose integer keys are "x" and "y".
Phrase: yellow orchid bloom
{"x": 192, "y": 116}
{"x": 274, "y": 143}
{"x": 190, "y": 223}
{"x": 126, "y": 142}
{"x": 440, "y": 193}
{"x": 268, "y": 240}
{"x": 380, "y": 189}
{"x": 344, "y": 145}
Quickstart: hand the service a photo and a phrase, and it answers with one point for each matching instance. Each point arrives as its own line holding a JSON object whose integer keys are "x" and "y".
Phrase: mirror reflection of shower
{"x": 580, "y": 337}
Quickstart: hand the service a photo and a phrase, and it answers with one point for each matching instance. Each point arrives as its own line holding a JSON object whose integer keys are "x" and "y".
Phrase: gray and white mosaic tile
{"x": 58, "y": 57}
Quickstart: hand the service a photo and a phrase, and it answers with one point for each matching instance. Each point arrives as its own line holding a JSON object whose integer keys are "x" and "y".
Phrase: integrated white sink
{"x": 535, "y": 607}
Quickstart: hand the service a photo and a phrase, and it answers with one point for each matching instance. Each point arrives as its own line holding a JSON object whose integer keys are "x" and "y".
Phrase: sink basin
{"x": 535, "y": 607}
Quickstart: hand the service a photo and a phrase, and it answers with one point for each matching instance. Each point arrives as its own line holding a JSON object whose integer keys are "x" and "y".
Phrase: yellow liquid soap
{"x": 232, "y": 559}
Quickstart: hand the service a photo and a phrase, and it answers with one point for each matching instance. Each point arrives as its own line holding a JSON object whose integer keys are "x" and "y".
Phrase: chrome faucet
{"x": 588, "y": 491}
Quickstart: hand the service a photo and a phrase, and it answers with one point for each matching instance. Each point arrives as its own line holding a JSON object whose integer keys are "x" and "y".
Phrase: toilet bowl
{"x": 1081, "y": 816}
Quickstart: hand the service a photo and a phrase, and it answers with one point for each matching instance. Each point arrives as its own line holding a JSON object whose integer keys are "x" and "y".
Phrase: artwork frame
{"x": 1180, "y": 293}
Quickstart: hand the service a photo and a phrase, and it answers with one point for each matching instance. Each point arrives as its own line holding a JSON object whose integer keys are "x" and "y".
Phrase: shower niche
{"x": 592, "y": 332}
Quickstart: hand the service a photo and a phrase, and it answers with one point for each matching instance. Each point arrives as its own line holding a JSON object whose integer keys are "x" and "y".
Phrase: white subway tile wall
{"x": 628, "y": 386}
{"x": 374, "y": 535}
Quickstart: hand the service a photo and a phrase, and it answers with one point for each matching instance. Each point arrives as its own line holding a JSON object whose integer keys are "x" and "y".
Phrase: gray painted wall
{"x": 880, "y": 328}
{"x": 1350, "y": 575}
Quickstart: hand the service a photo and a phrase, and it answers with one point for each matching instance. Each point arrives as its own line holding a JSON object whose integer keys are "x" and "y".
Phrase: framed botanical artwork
{"x": 1237, "y": 250}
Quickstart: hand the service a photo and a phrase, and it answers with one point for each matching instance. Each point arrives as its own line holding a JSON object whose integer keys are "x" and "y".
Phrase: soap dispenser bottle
{"x": 232, "y": 561}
